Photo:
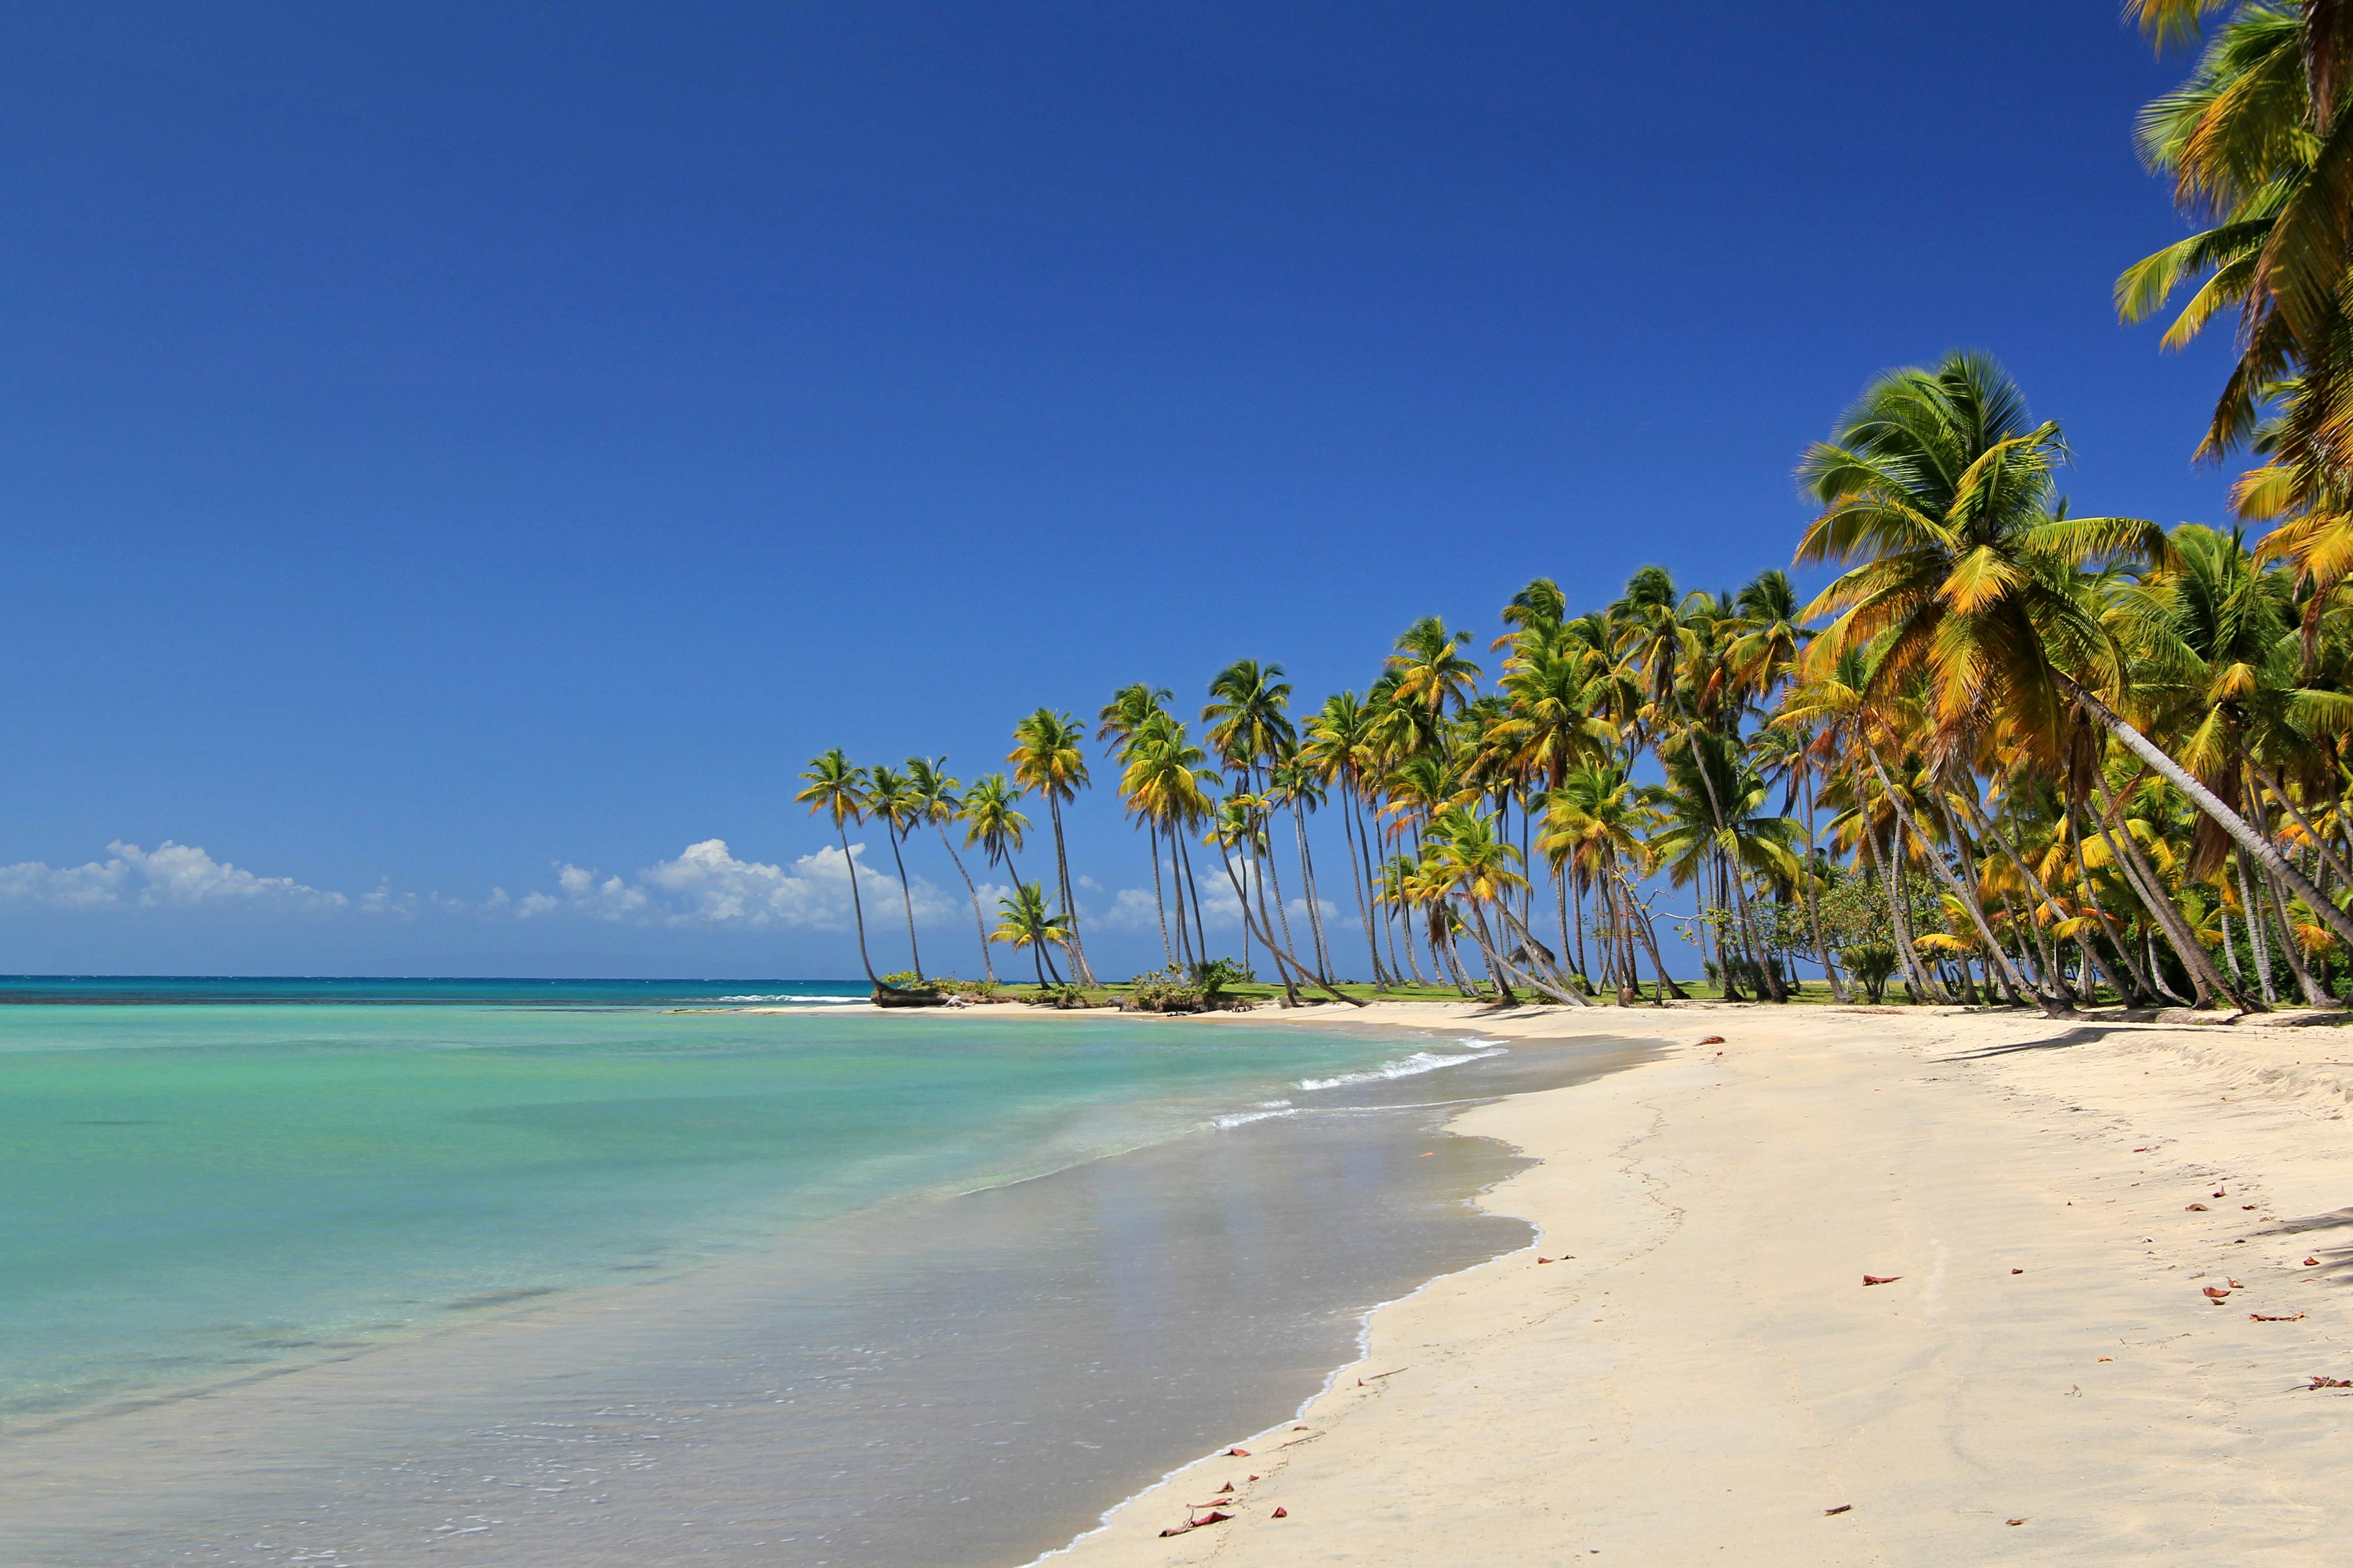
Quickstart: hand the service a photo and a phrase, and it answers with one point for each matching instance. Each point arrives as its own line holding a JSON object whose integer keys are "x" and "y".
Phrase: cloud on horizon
{"x": 171, "y": 876}
{"x": 706, "y": 885}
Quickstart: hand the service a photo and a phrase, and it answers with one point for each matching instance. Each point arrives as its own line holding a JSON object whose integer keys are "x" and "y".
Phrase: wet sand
{"x": 1702, "y": 1376}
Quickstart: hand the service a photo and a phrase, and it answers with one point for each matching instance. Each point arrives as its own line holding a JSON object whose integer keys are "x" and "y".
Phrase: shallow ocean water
{"x": 519, "y": 1286}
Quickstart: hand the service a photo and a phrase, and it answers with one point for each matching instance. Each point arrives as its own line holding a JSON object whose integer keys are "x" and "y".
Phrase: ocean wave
{"x": 789, "y": 996}
{"x": 1406, "y": 1067}
{"x": 1244, "y": 1118}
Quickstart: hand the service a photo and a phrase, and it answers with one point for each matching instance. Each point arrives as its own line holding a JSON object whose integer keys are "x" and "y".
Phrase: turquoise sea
{"x": 322, "y": 1182}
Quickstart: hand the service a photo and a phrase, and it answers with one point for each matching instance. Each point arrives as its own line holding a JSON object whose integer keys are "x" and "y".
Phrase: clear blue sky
{"x": 445, "y": 444}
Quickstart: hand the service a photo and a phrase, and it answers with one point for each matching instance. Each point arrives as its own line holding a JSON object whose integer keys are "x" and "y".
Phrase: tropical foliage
{"x": 2006, "y": 751}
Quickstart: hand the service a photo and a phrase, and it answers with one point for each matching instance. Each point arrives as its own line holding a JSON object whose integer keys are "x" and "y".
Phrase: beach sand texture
{"x": 1702, "y": 1376}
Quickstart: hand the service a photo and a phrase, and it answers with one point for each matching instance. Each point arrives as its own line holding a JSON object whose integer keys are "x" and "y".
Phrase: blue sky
{"x": 444, "y": 446}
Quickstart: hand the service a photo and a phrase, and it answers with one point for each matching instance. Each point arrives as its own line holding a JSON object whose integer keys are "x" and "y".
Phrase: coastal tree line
{"x": 2010, "y": 752}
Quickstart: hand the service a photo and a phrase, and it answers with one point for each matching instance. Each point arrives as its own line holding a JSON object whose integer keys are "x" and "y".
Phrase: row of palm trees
{"x": 2046, "y": 757}
{"x": 2008, "y": 752}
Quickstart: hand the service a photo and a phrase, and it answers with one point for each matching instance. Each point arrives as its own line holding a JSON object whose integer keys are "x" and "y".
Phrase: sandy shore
{"x": 1702, "y": 1376}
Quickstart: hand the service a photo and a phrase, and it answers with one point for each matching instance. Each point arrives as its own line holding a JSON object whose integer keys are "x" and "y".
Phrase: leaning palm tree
{"x": 892, "y": 800}
{"x": 839, "y": 790}
{"x": 1047, "y": 757}
{"x": 935, "y": 793}
{"x": 1970, "y": 580}
{"x": 1026, "y": 922}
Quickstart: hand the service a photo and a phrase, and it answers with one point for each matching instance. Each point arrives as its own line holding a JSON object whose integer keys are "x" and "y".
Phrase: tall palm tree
{"x": 935, "y": 795}
{"x": 892, "y": 800}
{"x": 839, "y": 790}
{"x": 1047, "y": 757}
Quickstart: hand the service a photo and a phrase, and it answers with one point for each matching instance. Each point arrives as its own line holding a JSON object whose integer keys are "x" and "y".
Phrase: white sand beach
{"x": 1701, "y": 1375}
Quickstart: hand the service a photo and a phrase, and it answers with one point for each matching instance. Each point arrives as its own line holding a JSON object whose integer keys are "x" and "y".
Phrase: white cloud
{"x": 706, "y": 885}
{"x": 171, "y": 876}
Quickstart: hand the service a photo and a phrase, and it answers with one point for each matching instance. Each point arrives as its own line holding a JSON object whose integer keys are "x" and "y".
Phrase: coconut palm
{"x": 1971, "y": 581}
{"x": 1046, "y": 758}
{"x": 992, "y": 822}
{"x": 839, "y": 790}
{"x": 1027, "y": 921}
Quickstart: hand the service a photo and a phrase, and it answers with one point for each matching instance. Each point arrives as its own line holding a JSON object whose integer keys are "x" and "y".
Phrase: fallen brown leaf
{"x": 2107, "y": 1357}
{"x": 2233, "y": 1284}
{"x": 2014, "y": 1522}
{"x": 1237, "y": 1453}
{"x": 2332, "y": 1383}
{"x": 1543, "y": 1260}
{"x": 2266, "y": 1318}
{"x": 2312, "y": 1263}
{"x": 1281, "y": 1513}
{"x": 2197, "y": 1208}
{"x": 2215, "y": 1293}
{"x": 2018, "y": 1271}
{"x": 2246, "y": 1205}
{"x": 1880, "y": 1279}
{"x": 1843, "y": 1508}
{"x": 1713, "y": 1040}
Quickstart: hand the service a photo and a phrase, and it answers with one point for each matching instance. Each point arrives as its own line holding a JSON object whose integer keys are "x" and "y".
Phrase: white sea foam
{"x": 790, "y": 996}
{"x": 1244, "y": 1118}
{"x": 1406, "y": 1067}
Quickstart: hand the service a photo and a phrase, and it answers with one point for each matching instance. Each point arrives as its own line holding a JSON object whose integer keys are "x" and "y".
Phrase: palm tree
{"x": 892, "y": 800}
{"x": 1339, "y": 750}
{"x": 1432, "y": 674}
{"x": 935, "y": 795}
{"x": 992, "y": 822}
{"x": 1973, "y": 582}
{"x": 1026, "y": 922}
{"x": 839, "y": 789}
{"x": 1046, "y": 758}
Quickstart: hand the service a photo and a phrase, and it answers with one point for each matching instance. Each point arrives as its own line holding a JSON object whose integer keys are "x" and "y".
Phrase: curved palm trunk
{"x": 1278, "y": 955}
{"x": 1667, "y": 986}
{"x": 907, "y": 894}
{"x": 2042, "y": 891}
{"x": 2015, "y": 993}
{"x": 2205, "y": 980}
{"x": 2016, "y": 983}
{"x": 1079, "y": 971}
{"x": 2140, "y": 988}
{"x": 857, "y": 907}
{"x": 2266, "y": 853}
{"x": 987, "y": 968}
{"x": 1484, "y": 940}
{"x": 1550, "y": 984}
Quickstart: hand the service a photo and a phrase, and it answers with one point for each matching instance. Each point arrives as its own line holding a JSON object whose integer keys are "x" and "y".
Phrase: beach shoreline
{"x": 1687, "y": 1362}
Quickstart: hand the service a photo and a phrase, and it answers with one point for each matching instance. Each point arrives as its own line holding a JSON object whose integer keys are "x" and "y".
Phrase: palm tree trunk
{"x": 2290, "y": 949}
{"x": 1193, "y": 888}
{"x": 1159, "y": 898}
{"x": 1814, "y": 902}
{"x": 1357, "y": 877}
{"x": 2140, "y": 988}
{"x": 1667, "y": 986}
{"x": 2319, "y": 841}
{"x": 1277, "y": 953}
{"x": 987, "y": 968}
{"x": 1772, "y": 981}
{"x": 2257, "y": 938}
{"x": 1307, "y": 890}
{"x": 2266, "y": 853}
{"x": 908, "y": 894}
{"x": 1552, "y": 984}
{"x": 2051, "y": 1006}
{"x": 2042, "y": 892}
{"x": 1080, "y": 969}
{"x": 2204, "y": 978}
{"x": 857, "y": 907}
{"x": 2014, "y": 985}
